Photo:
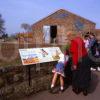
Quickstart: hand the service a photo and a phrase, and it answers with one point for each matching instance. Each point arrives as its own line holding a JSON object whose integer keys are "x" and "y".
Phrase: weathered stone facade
{"x": 65, "y": 21}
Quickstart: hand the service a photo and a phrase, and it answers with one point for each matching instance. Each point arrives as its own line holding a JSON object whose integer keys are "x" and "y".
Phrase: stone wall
{"x": 14, "y": 81}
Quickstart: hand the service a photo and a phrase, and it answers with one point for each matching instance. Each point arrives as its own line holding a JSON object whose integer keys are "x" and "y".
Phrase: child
{"x": 86, "y": 41}
{"x": 59, "y": 70}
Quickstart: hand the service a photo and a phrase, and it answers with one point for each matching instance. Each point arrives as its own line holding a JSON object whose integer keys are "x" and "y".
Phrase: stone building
{"x": 97, "y": 33}
{"x": 25, "y": 37}
{"x": 53, "y": 28}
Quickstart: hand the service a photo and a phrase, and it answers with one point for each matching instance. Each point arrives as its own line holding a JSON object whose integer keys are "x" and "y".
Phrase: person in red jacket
{"x": 81, "y": 74}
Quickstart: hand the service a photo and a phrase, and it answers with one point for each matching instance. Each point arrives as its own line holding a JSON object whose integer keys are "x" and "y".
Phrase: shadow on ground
{"x": 94, "y": 82}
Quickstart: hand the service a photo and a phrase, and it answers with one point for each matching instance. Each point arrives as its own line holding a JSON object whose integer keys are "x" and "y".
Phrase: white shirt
{"x": 86, "y": 43}
{"x": 63, "y": 58}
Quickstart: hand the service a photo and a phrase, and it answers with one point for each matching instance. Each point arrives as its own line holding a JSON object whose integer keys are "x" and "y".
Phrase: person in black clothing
{"x": 93, "y": 51}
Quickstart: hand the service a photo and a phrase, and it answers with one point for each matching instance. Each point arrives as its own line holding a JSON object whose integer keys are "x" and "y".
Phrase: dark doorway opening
{"x": 53, "y": 33}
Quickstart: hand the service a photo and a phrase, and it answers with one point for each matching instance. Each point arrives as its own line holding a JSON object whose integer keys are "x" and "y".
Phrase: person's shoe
{"x": 62, "y": 90}
{"x": 54, "y": 90}
{"x": 85, "y": 92}
{"x": 51, "y": 90}
{"x": 76, "y": 91}
{"x": 93, "y": 69}
{"x": 98, "y": 68}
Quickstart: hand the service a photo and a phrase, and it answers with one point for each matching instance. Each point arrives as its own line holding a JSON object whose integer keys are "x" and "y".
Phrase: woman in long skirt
{"x": 81, "y": 74}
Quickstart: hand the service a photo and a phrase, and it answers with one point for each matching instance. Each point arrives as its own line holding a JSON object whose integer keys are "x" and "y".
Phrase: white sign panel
{"x": 39, "y": 55}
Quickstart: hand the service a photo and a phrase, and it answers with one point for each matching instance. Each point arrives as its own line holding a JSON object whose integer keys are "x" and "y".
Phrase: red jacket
{"x": 77, "y": 49}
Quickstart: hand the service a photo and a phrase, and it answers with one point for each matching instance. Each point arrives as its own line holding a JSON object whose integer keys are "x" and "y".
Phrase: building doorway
{"x": 53, "y": 33}
{"x": 50, "y": 33}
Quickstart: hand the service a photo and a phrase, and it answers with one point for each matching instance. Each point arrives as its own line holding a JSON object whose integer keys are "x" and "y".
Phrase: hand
{"x": 74, "y": 67}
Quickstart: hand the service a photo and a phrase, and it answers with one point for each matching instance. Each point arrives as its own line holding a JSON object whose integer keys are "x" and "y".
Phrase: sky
{"x": 17, "y": 12}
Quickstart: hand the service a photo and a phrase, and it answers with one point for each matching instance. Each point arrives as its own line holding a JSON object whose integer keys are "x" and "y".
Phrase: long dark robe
{"x": 82, "y": 76}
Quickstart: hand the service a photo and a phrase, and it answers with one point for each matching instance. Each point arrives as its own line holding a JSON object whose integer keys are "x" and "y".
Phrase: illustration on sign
{"x": 28, "y": 56}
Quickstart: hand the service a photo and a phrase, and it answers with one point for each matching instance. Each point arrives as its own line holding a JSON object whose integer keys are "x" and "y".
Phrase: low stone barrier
{"x": 19, "y": 81}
